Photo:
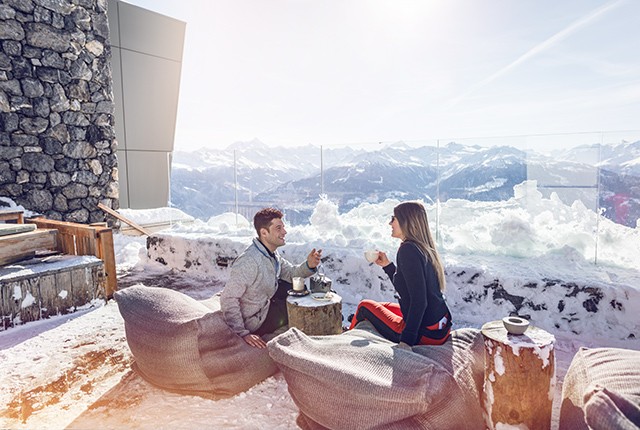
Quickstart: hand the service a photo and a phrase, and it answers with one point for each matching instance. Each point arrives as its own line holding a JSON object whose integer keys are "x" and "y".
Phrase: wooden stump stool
{"x": 315, "y": 317}
{"x": 519, "y": 377}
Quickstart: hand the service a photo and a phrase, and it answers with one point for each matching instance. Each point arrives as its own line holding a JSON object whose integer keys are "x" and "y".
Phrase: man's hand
{"x": 313, "y": 259}
{"x": 255, "y": 341}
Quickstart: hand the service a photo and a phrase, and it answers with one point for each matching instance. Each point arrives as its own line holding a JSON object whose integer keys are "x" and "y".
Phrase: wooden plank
{"x": 48, "y": 296}
{"x": 12, "y": 215}
{"x": 107, "y": 254}
{"x": 63, "y": 283}
{"x": 22, "y": 245}
{"x": 8, "y": 305}
{"x": 81, "y": 285}
{"x": 7, "y": 229}
{"x": 75, "y": 239}
{"x": 152, "y": 227}
{"x": 29, "y": 303}
{"x": 66, "y": 243}
{"x": 99, "y": 281}
{"x": 82, "y": 239}
{"x": 47, "y": 265}
{"x": 16, "y": 256}
{"x": 123, "y": 219}
{"x": 87, "y": 243}
{"x": 49, "y": 289}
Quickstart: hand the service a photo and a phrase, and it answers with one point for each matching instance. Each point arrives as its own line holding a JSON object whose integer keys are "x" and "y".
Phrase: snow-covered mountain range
{"x": 605, "y": 177}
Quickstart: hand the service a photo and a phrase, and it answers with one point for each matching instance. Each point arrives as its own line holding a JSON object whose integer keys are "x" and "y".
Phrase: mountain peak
{"x": 399, "y": 145}
{"x": 253, "y": 144}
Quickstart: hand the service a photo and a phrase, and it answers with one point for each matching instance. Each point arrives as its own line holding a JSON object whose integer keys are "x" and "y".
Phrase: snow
{"x": 499, "y": 362}
{"x": 8, "y": 204}
{"x": 73, "y": 371}
{"x": 28, "y": 301}
{"x": 503, "y": 426}
{"x": 54, "y": 264}
{"x": 630, "y": 163}
{"x": 544, "y": 353}
{"x": 156, "y": 216}
{"x": 316, "y": 299}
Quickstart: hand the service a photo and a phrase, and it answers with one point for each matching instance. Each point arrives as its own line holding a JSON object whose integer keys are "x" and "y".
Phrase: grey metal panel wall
{"x": 145, "y": 31}
{"x": 147, "y": 184}
{"x": 150, "y": 101}
{"x": 123, "y": 178}
{"x": 147, "y": 61}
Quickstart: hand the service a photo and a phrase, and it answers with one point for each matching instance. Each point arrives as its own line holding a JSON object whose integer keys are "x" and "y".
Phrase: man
{"x": 254, "y": 299}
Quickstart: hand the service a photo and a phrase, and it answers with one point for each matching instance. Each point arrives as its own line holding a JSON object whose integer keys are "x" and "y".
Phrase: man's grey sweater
{"x": 252, "y": 283}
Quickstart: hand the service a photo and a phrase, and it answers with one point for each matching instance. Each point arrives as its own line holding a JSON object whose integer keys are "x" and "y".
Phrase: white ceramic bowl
{"x": 371, "y": 255}
{"x": 515, "y": 325}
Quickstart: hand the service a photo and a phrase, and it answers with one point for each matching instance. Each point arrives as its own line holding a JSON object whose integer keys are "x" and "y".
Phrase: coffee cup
{"x": 298, "y": 284}
{"x": 371, "y": 255}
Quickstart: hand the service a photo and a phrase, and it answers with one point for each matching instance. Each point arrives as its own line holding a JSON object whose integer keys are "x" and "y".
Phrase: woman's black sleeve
{"x": 411, "y": 264}
{"x": 390, "y": 270}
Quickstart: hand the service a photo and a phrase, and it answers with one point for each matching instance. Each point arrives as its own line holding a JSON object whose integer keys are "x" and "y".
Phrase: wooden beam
{"x": 24, "y": 245}
{"x": 12, "y": 215}
{"x": 123, "y": 219}
{"x": 83, "y": 239}
{"x": 106, "y": 254}
{"x": 8, "y": 229}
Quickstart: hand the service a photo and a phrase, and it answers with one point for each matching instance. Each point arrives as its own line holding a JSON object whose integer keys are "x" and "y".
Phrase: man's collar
{"x": 271, "y": 254}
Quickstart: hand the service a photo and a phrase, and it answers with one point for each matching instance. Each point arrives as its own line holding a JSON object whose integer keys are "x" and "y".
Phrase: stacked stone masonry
{"x": 57, "y": 135}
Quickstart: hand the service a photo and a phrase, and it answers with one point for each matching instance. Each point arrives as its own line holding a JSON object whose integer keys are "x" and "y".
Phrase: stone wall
{"x": 57, "y": 136}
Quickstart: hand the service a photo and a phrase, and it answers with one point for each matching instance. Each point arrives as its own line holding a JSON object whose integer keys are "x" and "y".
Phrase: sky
{"x": 337, "y": 72}
{"x": 74, "y": 371}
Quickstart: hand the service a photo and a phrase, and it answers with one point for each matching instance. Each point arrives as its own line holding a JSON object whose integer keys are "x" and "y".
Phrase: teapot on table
{"x": 319, "y": 282}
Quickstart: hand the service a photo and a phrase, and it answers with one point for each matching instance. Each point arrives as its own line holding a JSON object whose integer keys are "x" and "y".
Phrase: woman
{"x": 422, "y": 316}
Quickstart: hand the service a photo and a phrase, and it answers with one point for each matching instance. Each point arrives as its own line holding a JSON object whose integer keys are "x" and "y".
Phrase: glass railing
{"x": 519, "y": 195}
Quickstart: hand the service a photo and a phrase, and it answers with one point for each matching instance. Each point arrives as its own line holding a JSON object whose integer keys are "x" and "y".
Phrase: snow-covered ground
{"x": 74, "y": 371}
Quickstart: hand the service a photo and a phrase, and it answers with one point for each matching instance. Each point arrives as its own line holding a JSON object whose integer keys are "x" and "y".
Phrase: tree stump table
{"x": 519, "y": 377}
{"x": 316, "y": 317}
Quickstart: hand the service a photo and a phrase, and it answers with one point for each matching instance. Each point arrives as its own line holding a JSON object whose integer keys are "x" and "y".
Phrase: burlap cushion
{"x": 601, "y": 390}
{"x": 179, "y": 344}
{"x": 358, "y": 380}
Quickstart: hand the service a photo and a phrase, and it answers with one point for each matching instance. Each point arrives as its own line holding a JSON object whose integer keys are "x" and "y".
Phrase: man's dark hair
{"x": 263, "y": 218}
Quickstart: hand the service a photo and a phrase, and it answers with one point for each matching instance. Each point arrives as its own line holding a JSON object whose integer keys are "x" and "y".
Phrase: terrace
{"x": 541, "y": 225}
{"x": 96, "y": 386}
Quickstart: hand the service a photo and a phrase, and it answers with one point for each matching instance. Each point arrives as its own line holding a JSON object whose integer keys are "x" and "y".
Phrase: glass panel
{"x": 618, "y": 234}
{"x": 285, "y": 178}
{"x": 564, "y": 170}
{"x": 202, "y": 182}
{"x": 522, "y": 196}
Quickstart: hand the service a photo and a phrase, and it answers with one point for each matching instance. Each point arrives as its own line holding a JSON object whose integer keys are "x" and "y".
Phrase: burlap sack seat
{"x": 181, "y": 344}
{"x": 358, "y": 380}
{"x": 601, "y": 390}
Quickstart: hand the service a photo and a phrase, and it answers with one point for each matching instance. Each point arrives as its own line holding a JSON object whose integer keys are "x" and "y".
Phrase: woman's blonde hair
{"x": 412, "y": 218}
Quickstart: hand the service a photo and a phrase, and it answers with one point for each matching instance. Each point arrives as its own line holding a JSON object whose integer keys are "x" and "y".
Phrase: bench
{"x": 83, "y": 239}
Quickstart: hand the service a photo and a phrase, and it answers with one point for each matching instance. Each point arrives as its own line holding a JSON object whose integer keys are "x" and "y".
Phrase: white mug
{"x": 298, "y": 284}
{"x": 371, "y": 255}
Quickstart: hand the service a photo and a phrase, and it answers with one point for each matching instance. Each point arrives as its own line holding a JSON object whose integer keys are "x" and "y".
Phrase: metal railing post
{"x": 438, "y": 191}
{"x": 598, "y": 191}
{"x": 321, "y": 171}
{"x": 235, "y": 183}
